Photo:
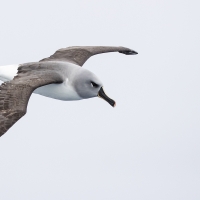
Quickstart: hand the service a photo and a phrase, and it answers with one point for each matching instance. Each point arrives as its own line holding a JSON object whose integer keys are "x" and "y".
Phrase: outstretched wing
{"x": 15, "y": 94}
{"x": 78, "y": 55}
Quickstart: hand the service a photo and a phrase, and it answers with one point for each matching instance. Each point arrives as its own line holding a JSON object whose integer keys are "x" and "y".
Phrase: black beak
{"x": 103, "y": 95}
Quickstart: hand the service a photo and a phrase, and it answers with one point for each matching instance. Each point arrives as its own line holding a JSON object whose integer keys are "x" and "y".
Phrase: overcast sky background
{"x": 148, "y": 146}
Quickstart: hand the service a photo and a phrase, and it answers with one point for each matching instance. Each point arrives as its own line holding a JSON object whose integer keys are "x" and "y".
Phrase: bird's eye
{"x": 94, "y": 84}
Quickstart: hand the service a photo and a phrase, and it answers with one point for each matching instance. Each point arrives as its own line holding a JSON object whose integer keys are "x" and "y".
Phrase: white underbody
{"x": 63, "y": 91}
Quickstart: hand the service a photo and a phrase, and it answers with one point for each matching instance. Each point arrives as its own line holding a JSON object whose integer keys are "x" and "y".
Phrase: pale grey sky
{"x": 145, "y": 148}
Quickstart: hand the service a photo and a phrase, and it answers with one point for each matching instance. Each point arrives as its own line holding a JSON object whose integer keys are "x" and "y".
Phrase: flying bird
{"x": 59, "y": 76}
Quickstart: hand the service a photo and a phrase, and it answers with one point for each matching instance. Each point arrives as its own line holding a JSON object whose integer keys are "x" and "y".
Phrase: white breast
{"x": 63, "y": 91}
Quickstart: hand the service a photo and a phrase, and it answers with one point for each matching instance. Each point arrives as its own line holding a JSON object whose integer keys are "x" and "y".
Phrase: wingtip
{"x": 132, "y": 52}
{"x": 129, "y": 52}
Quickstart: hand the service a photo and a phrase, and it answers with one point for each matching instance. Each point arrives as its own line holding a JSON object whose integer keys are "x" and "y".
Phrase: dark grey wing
{"x": 15, "y": 94}
{"x": 78, "y": 55}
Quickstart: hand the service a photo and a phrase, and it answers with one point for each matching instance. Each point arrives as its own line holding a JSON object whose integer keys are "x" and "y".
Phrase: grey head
{"x": 88, "y": 85}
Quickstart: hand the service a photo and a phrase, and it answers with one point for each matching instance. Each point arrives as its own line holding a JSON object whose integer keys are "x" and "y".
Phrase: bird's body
{"x": 64, "y": 91}
{"x": 59, "y": 76}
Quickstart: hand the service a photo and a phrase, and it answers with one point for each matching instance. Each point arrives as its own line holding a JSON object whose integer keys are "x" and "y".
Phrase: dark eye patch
{"x": 94, "y": 84}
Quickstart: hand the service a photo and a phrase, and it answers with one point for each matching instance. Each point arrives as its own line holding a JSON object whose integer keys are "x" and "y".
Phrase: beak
{"x": 103, "y": 95}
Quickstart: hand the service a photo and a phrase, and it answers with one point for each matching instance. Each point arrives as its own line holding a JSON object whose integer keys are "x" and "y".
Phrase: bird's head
{"x": 87, "y": 85}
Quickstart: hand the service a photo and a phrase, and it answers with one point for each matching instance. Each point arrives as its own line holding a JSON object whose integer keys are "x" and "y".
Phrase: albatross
{"x": 59, "y": 76}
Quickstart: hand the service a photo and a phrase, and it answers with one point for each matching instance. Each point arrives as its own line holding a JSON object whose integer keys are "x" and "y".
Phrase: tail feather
{"x": 8, "y": 72}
